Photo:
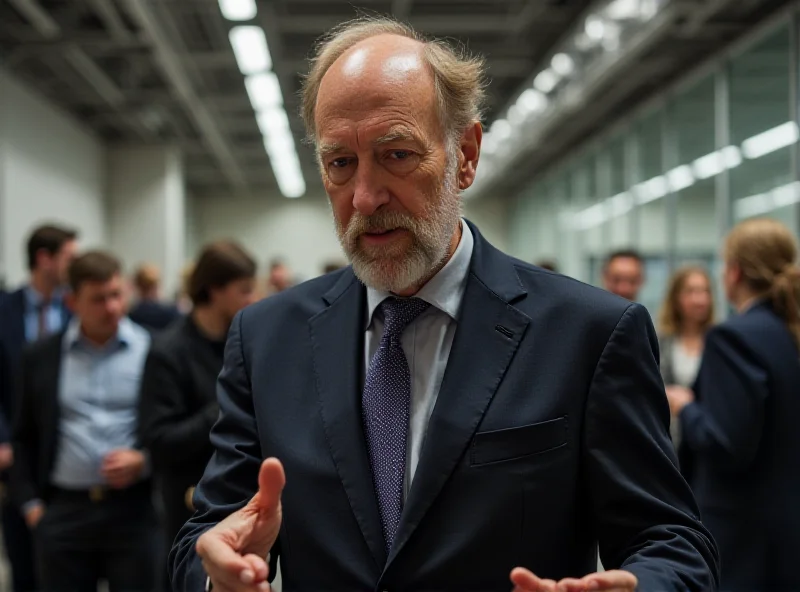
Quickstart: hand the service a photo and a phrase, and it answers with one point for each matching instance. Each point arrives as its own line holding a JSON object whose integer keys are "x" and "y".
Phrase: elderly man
{"x": 437, "y": 416}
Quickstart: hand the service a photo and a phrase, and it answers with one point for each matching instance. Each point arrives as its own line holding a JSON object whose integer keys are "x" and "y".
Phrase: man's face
{"x": 55, "y": 266}
{"x": 392, "y": 183}
{"x": 233, "y": 297}
{"x": 99, "y": 306}
{"x": 624, "y": 277}
{"x": 280, "y": 277}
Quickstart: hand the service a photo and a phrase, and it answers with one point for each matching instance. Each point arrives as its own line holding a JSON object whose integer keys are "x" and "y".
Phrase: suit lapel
{"x": 486, "y": 339}
{"x": 337, "y": 337}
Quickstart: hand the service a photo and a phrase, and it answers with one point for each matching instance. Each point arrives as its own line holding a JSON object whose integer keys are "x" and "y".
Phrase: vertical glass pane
{"x": 619, "y": 207}
{"x": 763, "y": 128}
{"x": 694, "y": 129}
{"x": 584, "y": 197}
{"x": 652, "y": 233}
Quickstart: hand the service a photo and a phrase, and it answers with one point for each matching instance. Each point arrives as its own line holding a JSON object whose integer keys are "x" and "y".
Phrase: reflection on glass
{"x": 761, "y": 123}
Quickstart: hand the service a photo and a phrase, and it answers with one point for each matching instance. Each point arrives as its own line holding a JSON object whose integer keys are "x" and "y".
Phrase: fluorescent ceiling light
{"x": 545, "y": 81}
{"x": 271, "y": 121}
{"x": 754, "y": 205}
{"x": 731, "y": 157}
{"x": 592, "y": 216}
{"x": 595, "y": 28}
{"x": 562, "y": 64}
{"x": 771, "y": 140}
{"x": 786, "y": 195}
{"x": 532, "y": 100}
{"x": 501, "y": 129}
{"x": 290, "y": 180}
{"x": 515, "y": 115}
{"x": 650, "y": 190}
{"x": 620, "y": 204}
{"x": 250, "y": 48}
{"x": 238, "y": 10}
{"x": 264, "y": 91}
{"x": 708, "y": 165}
{"x": 623, "y": 9}
{"x": 279, "y": 143}
{"x": 680, "y": 178}
{"x": 488, "y": 144}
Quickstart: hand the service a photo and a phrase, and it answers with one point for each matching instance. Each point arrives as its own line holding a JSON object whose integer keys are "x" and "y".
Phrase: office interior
{"x": 156, "y": 126}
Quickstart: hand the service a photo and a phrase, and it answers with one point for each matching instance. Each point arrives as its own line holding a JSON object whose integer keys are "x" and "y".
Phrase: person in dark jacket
{"x": 150, "y": 312}
{"x": 178, "y": 402}
{"x": 742, "y": 427}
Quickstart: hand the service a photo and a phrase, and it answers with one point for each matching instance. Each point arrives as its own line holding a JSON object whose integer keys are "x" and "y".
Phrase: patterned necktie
{"x": 386, "y": 403}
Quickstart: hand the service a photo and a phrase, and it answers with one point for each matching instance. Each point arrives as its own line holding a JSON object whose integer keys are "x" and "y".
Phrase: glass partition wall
{"x": 671, "y": 179}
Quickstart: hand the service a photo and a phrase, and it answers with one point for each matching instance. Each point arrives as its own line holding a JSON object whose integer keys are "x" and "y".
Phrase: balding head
{"x": 458, "y": 79}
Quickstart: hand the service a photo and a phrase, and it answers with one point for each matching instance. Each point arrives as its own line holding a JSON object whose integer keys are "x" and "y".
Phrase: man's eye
{"x": 340, "y": 163}
{"x": 400, "y": 154}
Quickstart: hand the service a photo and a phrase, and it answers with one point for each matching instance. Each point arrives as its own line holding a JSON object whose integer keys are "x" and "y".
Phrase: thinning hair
{"x": 458, "y": 77}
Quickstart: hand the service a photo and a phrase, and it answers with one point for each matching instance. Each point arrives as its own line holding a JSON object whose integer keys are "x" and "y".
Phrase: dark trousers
{"x": 19, "y": 549}
{"x": 85, "y": 538}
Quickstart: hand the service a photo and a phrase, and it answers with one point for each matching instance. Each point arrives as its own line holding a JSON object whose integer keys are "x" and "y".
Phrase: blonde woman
{"x": 742, "y": 428}
{"x": 686, "y": 316}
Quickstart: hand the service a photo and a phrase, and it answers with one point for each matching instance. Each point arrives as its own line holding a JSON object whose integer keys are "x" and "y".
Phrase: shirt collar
{"x": 34, "y": 298}
{"x": 125, "y": 335}
{"x": 445, "y": 290}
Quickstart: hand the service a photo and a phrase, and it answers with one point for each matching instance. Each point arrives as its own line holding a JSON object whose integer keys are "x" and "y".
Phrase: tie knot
{"x": 399, "y": 313}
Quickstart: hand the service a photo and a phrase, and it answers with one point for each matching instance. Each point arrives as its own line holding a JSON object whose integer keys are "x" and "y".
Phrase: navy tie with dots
{"x": 385, "y": 406}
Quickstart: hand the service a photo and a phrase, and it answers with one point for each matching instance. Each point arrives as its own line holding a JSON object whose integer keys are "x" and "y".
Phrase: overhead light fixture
{"x": 595, "y": 28}
{"x": 515, "y": 115}
{"x": 786, "y": 195}
{"x": 680, "y": 178}
{"x": 562, "y": 64}
{"x": 238, "y": 10}
{"x": 545, "y": 81}
{"x": 651, "y": 190}
{"x": 532, "y": 100}
{"x": 623, "y": 9}
{"x": 620, "y": 204}
{"x": 731, "y": 157}
{"x": 264, "y": 91}
{"x": 771, "y": 140}
{"x": 279, "y": 142}
{"x": 250, "y": 48}
{"x": 501, "y": 129}
{"x": 272, "y": 121}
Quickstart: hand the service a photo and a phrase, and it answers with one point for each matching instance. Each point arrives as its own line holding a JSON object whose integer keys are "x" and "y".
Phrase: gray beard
{"x": 396, "y": 268}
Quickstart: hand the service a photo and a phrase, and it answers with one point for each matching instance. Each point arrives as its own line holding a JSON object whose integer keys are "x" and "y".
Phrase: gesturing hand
{"x": 607, "y": 581}
{"x": 234, "y": 551}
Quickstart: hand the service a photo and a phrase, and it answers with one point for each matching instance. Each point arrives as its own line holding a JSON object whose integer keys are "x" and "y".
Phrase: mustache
{"x": 379, "y": 222}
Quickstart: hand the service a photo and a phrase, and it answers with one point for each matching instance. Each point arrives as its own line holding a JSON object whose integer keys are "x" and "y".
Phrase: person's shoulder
{"x": 550, "y": 288}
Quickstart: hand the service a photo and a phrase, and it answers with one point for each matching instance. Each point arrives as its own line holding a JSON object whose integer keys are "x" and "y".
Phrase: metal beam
{"x": 111, "y": 19}
{"x": 37, "y": 16}
{"x": 435, "y": 25}
{"x": 401, "y": 9}
{"x": 175, "y": 73}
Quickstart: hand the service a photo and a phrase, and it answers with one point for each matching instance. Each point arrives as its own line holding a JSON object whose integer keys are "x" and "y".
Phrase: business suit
{"x": 154, "y": 315}
{"x": 12, "y": 343}
{"x": 177, "y": 409}
{"x": 550, "y": 412}
{"x": 82, "y": 532}
{"x": 743, "y": 432}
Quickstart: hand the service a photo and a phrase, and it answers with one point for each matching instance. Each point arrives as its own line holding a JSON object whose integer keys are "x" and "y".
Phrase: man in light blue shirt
{"x": 75, "y": 443}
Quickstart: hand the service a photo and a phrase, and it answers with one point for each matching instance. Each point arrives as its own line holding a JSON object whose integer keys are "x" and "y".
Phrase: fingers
{"x": 611, "y": 581}
{"x": 525, "y": 581}
{"x": 257, "y": 570}
{"x": 571, "y": 585}
{"x": 223, "y": 565}
{"x": 271, "y": 481}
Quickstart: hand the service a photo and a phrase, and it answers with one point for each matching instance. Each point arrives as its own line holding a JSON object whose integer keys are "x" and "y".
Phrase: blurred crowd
{"x": 108, "y": 395}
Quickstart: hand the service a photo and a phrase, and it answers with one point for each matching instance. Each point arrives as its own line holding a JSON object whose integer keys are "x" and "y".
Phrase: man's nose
{"x": 370, "y": 193}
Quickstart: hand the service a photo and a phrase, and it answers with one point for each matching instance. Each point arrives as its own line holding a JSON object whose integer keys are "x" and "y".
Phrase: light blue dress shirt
{"x": 55, "y": 314}
{"x": 98, "y": 402}
{"x": 426, "y": 342}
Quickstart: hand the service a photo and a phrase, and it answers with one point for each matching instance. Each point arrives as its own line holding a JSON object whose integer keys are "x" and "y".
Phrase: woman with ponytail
{"x": 741, "y": 421}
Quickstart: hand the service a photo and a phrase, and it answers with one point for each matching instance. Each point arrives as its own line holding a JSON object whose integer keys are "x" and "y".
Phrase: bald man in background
{"x": 438, "y": 415}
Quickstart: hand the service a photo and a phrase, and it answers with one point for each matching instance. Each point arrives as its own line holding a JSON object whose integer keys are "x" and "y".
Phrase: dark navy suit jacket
{"x": 744, "y": 434}
{"x": 12, "y": 342}
{"x": 550, "y": 433}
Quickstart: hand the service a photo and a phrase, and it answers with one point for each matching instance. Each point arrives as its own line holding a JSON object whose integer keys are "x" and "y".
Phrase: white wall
{"x": 301, "y": 231}
{"x": 146, "y": 209}
{"x": 51, "y": 170}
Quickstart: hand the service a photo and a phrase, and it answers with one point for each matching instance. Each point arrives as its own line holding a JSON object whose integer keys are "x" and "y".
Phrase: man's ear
{"x": 469, "y": 154}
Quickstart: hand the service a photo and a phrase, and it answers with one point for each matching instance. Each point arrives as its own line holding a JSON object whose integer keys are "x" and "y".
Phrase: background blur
{"x": 155, "y": 126}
